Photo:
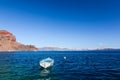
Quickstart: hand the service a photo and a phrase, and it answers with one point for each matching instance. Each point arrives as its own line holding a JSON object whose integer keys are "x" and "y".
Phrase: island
{"x": 77, "y": 49}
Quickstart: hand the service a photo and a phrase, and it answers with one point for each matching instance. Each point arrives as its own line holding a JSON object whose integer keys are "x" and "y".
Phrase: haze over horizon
{"x": 63, "y": 23}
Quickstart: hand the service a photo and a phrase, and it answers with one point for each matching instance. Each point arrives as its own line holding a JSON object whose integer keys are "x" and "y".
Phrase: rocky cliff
{"x": 8, "y": 43}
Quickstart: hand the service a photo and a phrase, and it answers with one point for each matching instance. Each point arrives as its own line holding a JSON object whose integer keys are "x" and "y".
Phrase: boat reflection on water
{"x": 45, "y": 74}
{"x": 45, "y": 70}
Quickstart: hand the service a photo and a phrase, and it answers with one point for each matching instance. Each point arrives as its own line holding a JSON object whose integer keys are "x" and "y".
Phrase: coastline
{"x": 102, "y": 50}
{"x": 20, "y": 51}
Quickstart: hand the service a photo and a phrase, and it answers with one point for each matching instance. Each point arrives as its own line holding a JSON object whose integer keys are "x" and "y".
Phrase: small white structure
{"x": 45, "y": 63}
{"x": 65, "y": 57}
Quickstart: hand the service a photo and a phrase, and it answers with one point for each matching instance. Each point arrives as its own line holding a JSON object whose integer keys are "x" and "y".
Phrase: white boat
{"x": 45, "y": 63}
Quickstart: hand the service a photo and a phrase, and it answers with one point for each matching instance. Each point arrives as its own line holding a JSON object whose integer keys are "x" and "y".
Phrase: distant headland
{"x": 77, "y": 49}
{"x": 8, "y": 43}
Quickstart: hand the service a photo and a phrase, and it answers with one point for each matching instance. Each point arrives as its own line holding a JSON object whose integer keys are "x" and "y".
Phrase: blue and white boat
{"x": 45, "y": 63}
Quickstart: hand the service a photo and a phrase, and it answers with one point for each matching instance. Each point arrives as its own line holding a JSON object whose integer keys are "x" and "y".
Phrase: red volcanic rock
{"x": 8, "y": 43}
{"x": 5, "y": 35}
{"x": 4, "y": 32}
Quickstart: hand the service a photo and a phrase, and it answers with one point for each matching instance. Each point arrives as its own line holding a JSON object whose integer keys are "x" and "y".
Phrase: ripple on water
{"x": 77, "y": 66}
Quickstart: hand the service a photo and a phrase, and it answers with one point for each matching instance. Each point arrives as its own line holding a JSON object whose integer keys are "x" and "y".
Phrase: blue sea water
{"x": 79, "y": 65}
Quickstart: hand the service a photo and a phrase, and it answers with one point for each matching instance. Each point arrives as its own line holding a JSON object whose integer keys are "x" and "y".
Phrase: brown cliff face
{"x": 8, "y": 43}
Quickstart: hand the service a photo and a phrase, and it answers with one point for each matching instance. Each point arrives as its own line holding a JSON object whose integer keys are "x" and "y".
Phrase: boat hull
{"x": 46, "y": 63}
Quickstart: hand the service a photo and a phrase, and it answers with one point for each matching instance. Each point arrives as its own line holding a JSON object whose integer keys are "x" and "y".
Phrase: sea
{"x": 78, "y": 65}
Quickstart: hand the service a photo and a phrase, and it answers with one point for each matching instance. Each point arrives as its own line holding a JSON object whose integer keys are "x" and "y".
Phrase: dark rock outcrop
{"x": 8, "y": 43}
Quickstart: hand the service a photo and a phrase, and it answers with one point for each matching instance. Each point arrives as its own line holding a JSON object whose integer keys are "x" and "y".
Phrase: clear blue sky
{"x": 63, "y": 23}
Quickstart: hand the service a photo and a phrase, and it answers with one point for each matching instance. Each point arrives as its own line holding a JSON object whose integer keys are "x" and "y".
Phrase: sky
{"x": 63, "y": 23}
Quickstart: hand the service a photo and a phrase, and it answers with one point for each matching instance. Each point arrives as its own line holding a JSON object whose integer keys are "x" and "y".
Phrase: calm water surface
{"x": 78, "y": 66}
